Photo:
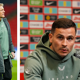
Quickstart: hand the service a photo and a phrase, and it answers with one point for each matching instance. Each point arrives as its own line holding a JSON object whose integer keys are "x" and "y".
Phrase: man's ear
{"x": 50, "y": 37}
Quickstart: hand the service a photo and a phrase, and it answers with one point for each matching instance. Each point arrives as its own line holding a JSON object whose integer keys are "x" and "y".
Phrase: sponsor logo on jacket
{"x": 63, "y": 77}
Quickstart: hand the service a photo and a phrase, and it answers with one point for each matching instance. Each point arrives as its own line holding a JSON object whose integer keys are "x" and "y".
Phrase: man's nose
{"x": 64, "y": 42}
{"x": 4, "y": 11}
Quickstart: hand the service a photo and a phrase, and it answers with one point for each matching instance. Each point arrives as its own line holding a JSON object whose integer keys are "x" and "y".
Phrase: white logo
{"x": 77, "y": 40}
{"x": 22, "y": 46}
{"x": 36, "y": 39}
{"x": 62, "y": 68}
{"x": 36, "y": 10}
{"x": 48, "y": 3}
{"x": 77, "y": 11}
{"x": 27, "y": 71}
{"x": 21, "y": 16}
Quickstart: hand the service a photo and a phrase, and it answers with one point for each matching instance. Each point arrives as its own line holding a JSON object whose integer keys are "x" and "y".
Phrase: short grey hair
{"x": 1, "y": 4}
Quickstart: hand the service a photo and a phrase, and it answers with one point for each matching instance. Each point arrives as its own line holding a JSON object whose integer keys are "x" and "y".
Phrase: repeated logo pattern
{"x": 36, "y": 18}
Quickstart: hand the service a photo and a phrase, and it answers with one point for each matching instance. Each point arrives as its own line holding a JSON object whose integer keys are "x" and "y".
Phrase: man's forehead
{"x": 1, "y": 7}
{"x": 67, "y": 31}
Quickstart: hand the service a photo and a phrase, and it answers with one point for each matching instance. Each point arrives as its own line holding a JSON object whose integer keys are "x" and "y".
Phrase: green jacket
{"x": 11, "y": 48}
{"x": 44, "y": 64}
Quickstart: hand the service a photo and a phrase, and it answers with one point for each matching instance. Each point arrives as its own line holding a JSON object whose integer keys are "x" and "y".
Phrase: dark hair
{"x": 63, "y": 23}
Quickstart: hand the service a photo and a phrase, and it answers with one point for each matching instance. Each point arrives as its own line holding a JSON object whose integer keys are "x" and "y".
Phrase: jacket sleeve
{"x": 33, "y": 68}
{"x": 11, "y": 47}
{"x": 79, "y": 76}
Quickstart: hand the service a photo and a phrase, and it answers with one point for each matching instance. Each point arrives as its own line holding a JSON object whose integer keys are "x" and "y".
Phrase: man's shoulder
{"x": 76, "y": 59}
{"x": 35, "y": 53}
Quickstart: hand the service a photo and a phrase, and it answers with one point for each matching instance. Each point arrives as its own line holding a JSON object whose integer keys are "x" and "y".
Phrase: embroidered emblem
{"x": 62, "y": 68}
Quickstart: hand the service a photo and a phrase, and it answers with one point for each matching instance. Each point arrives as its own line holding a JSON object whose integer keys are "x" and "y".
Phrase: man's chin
{"x": 63, "y": 55}
{"x": 2, "y": 16}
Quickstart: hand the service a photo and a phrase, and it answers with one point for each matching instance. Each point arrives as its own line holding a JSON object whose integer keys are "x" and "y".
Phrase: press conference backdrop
{"x": 36, "y": 18}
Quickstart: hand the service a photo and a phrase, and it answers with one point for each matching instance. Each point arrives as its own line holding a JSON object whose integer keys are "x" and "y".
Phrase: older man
{"x": 5, "y": 46}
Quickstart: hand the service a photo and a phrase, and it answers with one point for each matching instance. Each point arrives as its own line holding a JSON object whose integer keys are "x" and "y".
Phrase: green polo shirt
{"x": 4, "y": 42}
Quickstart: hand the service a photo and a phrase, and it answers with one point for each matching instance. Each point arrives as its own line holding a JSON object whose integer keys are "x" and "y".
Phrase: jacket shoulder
{"x": 33, "y": 63}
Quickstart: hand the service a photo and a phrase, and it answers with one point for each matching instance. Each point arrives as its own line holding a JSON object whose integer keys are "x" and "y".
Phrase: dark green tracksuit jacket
{"x": 44, "y": 64}
{"x": 11, "y": 48}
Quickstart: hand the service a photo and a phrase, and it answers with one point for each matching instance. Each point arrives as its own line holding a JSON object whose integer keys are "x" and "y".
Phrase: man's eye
{"x": 70, "y": 38}
{"x": 60, "y": 38}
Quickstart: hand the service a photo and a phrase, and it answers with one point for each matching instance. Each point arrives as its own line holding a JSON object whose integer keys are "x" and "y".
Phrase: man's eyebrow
{"x": 63, "y": 35}
{"x": 71, "y": 36}
{"x": 59, "y": 35}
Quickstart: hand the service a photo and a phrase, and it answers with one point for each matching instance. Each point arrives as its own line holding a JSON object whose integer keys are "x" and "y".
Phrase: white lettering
{"x": 71, "y": 76}
{"x": 52, "y": 78}
{"x": 66, "y": 76}
{"x": 57, "y": 78}
{"x": 62, "y": 77}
